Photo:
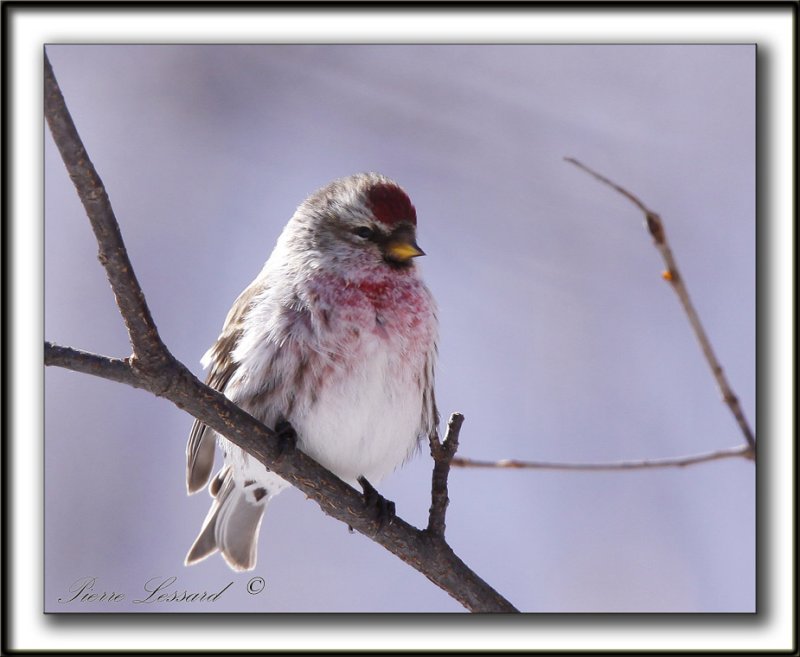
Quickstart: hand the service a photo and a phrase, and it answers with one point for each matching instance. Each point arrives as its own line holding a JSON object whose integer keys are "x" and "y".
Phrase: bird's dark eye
{"x": 364, "y": 231}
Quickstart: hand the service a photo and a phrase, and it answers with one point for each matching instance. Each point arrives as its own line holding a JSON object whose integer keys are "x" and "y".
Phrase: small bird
{"x": 334, "y": 345}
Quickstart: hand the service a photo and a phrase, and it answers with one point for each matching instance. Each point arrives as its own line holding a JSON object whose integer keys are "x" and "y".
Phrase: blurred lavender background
{"x": 559, "y": 339}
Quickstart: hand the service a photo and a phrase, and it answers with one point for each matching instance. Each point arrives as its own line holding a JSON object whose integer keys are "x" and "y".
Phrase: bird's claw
{"x": 384, "y": 509}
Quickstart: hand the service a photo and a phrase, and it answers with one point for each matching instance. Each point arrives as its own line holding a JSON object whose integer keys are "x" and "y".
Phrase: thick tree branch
{"x": 656, "y": 228}
{"x": 742, "y": 451}
{"x": 147, "y": 345}
{"x": 431, "y": 556}
{"x": 153, "y": 368}
{"x": 442, "y": 453}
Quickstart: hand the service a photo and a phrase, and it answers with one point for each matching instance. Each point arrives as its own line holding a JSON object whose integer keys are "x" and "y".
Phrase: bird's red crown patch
{"x": 391, "y": 205}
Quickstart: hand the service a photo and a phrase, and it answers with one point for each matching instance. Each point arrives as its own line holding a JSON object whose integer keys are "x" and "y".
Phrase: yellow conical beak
{"x": 403, "y": 251}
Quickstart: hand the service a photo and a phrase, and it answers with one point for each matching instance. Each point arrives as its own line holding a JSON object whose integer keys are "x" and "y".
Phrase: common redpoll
{"x": 335, "y": 339}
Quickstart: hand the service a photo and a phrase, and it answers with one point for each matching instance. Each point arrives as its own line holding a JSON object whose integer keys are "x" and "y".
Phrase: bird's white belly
{"x": 364, "y": 422}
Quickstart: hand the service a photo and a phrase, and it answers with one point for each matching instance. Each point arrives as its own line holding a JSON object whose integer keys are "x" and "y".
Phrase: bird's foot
{"x": 287, "y": 438}
{"x": 384, "y": 509}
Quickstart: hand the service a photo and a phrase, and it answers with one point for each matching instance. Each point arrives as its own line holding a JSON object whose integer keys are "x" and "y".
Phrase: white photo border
{"x": 27, "y": 28}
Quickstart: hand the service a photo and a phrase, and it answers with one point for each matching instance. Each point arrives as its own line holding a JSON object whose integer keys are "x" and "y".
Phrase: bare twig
{"x": 671, "y": 274}
{"x": 742, "y": 451}
{"x": 442, "y": 453}
{"x": 153, "y": 368}
{"x": 114, "y": 369}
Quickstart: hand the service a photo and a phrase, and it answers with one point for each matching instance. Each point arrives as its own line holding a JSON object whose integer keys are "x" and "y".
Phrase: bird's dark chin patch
{"x": 398, "y": 264}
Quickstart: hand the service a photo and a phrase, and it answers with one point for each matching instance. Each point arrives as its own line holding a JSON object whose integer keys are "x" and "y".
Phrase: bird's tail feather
{"x": 199, "y": 456}
{"x": 231, "y": 526}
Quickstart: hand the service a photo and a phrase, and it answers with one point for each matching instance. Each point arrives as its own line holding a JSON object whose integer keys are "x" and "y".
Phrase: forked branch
{"x": 442, "y": 453}
{"x": 147, "y": 345}
{"x": 671, "y": 274}
{"x": 153, "y": 368}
